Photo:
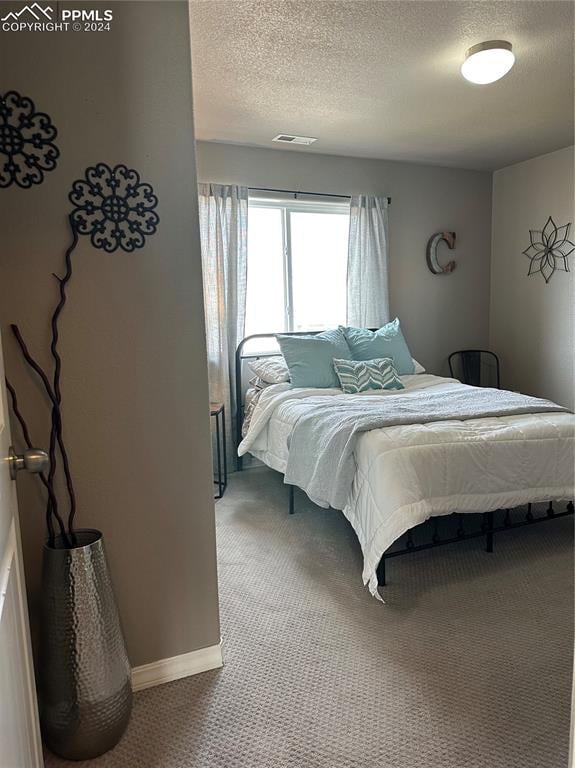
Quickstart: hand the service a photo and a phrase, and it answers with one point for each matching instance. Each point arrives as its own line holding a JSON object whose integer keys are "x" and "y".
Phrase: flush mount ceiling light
{"x": 487, "y": 62}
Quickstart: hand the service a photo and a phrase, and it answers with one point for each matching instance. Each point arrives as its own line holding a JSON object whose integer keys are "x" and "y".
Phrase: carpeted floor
{"x": 468, "y": 665}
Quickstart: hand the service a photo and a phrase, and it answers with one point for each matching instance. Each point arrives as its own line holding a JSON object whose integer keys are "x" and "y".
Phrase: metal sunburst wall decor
{"x": 27, "y": 148}
{"x": 549, "y": 249}
{"x": 114, "y": 207}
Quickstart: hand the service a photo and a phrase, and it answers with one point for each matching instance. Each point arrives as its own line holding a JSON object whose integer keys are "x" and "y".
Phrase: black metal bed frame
{"x": 488, "y": 528}
{"x": 240, "y": 356}
{"x": 490, "y": 524}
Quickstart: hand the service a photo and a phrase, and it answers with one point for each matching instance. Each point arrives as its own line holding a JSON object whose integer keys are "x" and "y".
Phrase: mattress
{"x": 406, "y": 474}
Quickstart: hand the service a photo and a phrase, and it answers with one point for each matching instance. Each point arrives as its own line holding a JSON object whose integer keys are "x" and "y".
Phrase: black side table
{"x": 218, "y": 411}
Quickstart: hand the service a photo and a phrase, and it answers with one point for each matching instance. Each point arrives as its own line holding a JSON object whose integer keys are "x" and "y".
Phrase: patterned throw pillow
{"x": 360, "y": 375}
{"x": 273, "y": 370}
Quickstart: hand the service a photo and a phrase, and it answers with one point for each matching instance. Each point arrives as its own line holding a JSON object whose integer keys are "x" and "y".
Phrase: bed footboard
{"x": 492, "y": 523}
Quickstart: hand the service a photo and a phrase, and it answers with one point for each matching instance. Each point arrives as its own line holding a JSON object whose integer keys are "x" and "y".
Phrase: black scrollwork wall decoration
{"x": 27, "y": 148}
{"x": 549, "y": 249}
{"x": 114, "y": 207}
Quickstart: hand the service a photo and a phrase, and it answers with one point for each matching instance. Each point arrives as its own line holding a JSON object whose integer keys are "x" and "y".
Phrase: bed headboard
{"x": 240, "y": 357}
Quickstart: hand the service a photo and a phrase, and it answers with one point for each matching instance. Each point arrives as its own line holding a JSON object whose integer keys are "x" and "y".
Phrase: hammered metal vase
{"x": 85, "y": 690}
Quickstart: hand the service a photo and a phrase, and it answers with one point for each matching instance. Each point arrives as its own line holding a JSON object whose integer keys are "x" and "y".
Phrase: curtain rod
{"x": 313, "y": 194}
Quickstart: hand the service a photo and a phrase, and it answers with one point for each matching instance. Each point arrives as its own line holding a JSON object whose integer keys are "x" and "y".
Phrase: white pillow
{"x": 273, "y": 370}
{"x": 418, "y": 367}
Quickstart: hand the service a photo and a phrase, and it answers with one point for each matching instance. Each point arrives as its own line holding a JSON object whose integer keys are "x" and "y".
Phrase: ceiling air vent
{"x": 287, "y": 138}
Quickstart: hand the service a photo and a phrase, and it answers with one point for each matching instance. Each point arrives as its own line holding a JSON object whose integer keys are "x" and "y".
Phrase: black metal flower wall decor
{"x": 114, "y": 207}
{"x": 116, "y": 210}
{"x": 27, "y": 148}
{"x": 549, "y": 249}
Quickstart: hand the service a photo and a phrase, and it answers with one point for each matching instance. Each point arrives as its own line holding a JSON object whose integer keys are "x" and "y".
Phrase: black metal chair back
{"x": 477, "y": 367}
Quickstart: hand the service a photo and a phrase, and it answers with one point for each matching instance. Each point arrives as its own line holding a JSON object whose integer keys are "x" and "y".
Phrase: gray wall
{"x": 531, "y": 322}
{"x": 438, "y": 313}
{"x": 132, "y": 335}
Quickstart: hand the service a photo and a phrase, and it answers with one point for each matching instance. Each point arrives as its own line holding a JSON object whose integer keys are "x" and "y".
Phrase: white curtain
{"x": 367, "y": 288}
{"x": 224, "y": 240}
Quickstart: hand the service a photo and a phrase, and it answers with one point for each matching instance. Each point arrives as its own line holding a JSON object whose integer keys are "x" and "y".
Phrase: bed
{"x": 408, "y": 473}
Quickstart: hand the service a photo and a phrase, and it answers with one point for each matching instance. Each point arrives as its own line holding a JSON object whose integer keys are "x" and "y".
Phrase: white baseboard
{"x": 166, "y": 670}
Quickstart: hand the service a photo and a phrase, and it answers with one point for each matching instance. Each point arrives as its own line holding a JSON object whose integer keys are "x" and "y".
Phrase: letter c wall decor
{"x": 432, "y": 262}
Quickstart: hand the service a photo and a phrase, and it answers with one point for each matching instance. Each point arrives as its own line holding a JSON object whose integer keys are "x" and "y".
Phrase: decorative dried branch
{"x": 47, "y": 386}
{"x": 62, "y": 282}
{"x": 52, "y": 451}
{"x": 54, "y": 393}
{"x": 52, "y": 504}
{"x": 32, "y": 363}
{"x": 56, "y": 429}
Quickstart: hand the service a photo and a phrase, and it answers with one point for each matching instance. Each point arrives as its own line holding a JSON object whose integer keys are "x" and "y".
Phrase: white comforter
{"x": 406, "y": 474}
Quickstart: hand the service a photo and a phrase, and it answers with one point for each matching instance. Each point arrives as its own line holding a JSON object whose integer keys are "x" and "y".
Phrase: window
{"x": 297, "y": 265}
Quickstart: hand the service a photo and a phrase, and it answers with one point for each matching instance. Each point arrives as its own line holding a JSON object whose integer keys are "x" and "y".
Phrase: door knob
{"x": 32, "y": 460}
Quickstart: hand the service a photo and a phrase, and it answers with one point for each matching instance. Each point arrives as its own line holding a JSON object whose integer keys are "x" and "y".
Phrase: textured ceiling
{"x": 381, "y": 79}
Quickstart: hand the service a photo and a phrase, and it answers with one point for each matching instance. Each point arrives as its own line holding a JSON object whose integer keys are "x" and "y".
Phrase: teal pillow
{"x": 386, "y": 342}
{"x": 360, "y": 375}
{"x": 310, "y": 358}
